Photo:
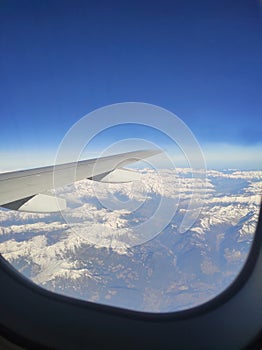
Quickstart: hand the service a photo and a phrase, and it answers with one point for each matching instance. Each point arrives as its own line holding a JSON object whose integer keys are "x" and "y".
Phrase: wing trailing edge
{"x": 40, "y": 203}
{"x": 117, "y": 176}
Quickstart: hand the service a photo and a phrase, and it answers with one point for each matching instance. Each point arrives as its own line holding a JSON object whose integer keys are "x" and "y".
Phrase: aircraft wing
{"x": 25, "y": 190}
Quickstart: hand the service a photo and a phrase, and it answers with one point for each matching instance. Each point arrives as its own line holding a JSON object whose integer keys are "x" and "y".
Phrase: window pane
{"x": 199, "y": 59}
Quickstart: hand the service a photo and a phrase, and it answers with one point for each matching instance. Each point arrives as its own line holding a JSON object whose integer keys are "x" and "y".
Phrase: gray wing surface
{"x": 25, "y": 190}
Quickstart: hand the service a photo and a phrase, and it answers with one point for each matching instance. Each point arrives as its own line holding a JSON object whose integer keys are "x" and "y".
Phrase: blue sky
{"x": 199, "y": 59}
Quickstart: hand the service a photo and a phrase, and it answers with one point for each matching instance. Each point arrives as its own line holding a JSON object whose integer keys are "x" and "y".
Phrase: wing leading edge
{"x": 25, "y": 190}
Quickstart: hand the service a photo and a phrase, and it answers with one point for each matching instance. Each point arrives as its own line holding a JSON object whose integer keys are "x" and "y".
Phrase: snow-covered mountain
{"x": 85, "y": 252}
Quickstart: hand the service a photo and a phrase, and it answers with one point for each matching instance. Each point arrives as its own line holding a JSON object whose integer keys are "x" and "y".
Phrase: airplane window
{"x": 164, "y": 219}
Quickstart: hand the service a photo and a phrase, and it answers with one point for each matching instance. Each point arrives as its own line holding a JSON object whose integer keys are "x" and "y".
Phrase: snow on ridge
{"x": 32, "y": 235}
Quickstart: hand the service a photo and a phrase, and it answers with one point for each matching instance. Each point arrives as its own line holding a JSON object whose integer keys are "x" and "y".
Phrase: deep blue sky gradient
{"x": 60, "y": 60}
